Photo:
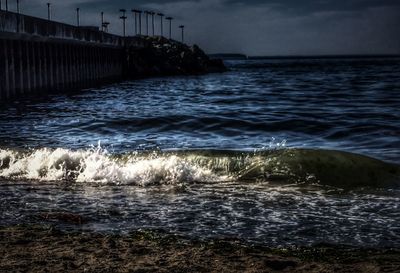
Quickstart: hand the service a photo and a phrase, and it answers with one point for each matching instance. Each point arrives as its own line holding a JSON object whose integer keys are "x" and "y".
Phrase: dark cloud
{"x": 126, "y": 4}
{"x": 309, "y": 6}
{"x": 256, "y": 27}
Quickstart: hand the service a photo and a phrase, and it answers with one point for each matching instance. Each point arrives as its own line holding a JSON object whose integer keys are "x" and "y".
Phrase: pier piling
{"x": 41, "y": 56}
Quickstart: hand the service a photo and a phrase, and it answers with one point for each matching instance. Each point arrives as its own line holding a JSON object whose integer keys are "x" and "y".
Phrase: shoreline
{"x": 42, "y": 248}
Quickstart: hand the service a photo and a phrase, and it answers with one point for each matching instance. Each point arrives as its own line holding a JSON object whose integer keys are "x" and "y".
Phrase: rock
{"x": 216, "y": 65}
{"x": 163, "y": 57}
{"x": 280, "y": 265}
{"x": 63, "y": 217}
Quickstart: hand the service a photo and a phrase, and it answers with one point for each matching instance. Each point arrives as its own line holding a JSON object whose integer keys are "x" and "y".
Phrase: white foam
{"x": 96, "y": 165}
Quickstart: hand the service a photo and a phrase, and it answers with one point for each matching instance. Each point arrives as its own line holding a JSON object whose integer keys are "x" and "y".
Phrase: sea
{"x": 279, "y": 152}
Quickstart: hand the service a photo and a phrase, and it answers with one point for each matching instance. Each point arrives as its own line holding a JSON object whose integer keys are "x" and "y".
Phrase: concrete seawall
{"x": 41, "y": 56}
{"x": 31, "y": 67}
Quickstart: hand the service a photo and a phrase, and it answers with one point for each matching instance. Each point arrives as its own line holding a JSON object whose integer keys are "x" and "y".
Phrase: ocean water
{"x": 278, "y": 152}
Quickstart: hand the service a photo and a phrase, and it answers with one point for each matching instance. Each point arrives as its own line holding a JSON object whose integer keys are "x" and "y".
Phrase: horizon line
{"x": 303, "y": 56}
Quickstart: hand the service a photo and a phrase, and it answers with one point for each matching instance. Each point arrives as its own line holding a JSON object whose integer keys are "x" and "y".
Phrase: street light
{"x": 123, "y": 18}
{"x": 152, "y": 21}
{"x": 170, "y": 26}
{"x": 134, "y": 11}
{"x": 140, "y": 21}
{"x": 161, "y": 21}
{"x": 17, "y": 6}
{"x": 77, "y": 17}
{"x": 48, "y": 11}
{"x": 102, "y": 21}
{"x": 182, "y": 27}
{"x": 147, "y": 22}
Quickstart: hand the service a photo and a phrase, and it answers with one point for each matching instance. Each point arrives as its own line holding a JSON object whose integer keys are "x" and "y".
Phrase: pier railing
{"x": 13, "y": 23}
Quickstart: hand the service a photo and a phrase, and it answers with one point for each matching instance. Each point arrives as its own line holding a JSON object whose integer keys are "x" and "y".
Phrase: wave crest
{"x": 98, "y": 166}
{"x": 334, "y": 168}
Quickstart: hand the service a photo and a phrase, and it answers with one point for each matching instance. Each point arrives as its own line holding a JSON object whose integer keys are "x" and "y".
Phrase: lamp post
{"x": 147, "y": 22}
{"x": 152, "y": 22}
{"x": 102, "y": 21}
{"x": 49, "y": 11}
{"x": 140, "y": 21}
{"x": 161, "y": 23}
{"x": 123, "y": 18}
{"x": 135, "y": 16}
{"x": 170, "y": 26}
{"x": 17, "y": 6}
{"x": 134, "y": 11}
{"x": 182, "y": 27}
{"x": 77, "y": 17}
{"x": 6, "y": 5}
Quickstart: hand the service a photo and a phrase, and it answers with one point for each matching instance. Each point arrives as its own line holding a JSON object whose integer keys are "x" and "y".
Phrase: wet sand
{"x": 45, "y": 249}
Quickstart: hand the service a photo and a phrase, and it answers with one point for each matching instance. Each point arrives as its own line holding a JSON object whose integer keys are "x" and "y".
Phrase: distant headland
{"x": 228, "y": 56}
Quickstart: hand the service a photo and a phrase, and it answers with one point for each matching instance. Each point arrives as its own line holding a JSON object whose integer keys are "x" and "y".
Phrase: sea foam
{"x": 97, "y": 165}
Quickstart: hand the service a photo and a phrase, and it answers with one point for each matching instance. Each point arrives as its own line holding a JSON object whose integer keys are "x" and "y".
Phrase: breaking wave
{"x": 96, "y": 165}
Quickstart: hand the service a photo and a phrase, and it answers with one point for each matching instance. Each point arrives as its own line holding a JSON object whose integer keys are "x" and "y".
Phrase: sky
{"x": 253, "y": 27}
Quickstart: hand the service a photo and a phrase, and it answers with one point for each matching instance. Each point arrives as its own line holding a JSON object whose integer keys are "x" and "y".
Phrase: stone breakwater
{"x": 163, "y": 57}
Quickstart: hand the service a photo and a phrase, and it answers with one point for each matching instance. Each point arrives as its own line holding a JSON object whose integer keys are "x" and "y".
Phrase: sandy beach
{"x": 45, "y": 249}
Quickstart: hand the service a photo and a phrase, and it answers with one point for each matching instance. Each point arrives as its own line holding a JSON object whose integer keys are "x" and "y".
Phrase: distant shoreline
{"x": 325, "y": 57}
{"x": 302, "y": 57}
